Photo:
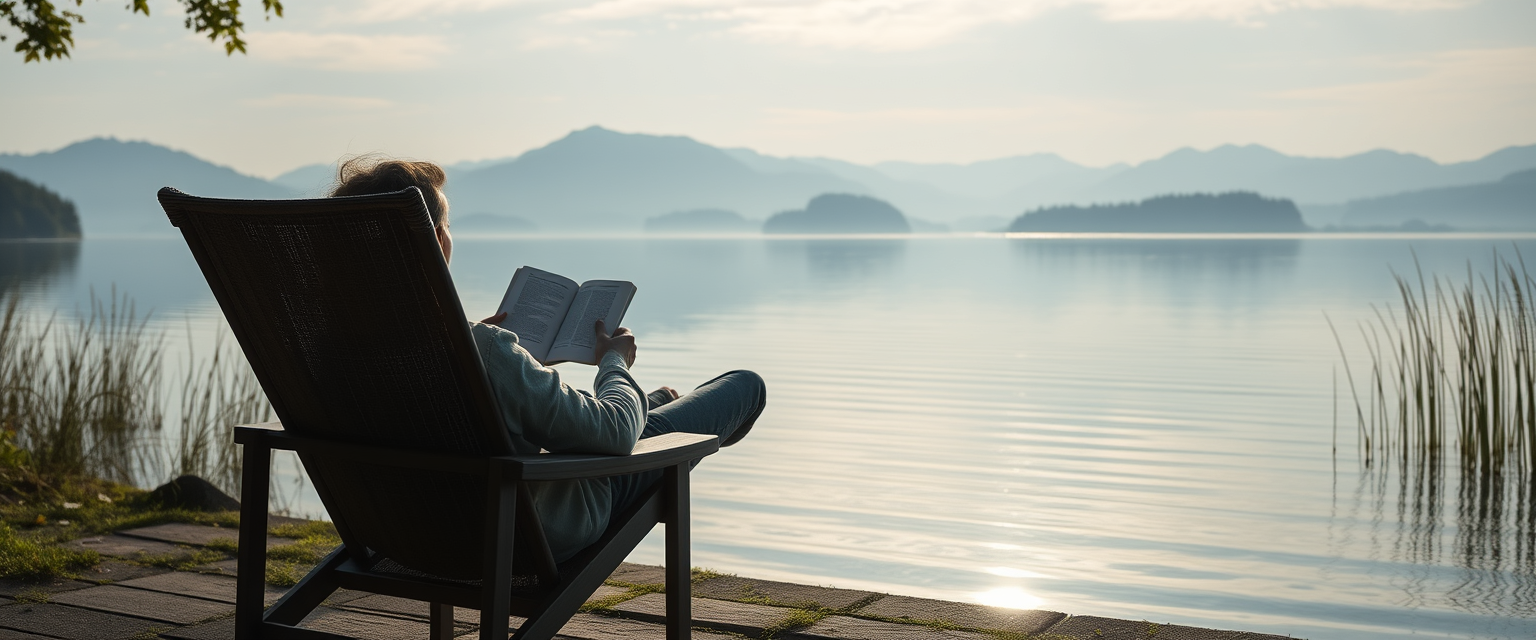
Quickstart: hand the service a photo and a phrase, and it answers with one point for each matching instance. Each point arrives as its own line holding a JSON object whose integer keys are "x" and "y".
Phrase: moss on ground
{"x": 287, "y": 563}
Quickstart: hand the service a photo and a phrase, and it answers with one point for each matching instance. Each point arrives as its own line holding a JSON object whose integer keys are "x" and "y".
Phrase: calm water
{"x": 1128, "y": 427}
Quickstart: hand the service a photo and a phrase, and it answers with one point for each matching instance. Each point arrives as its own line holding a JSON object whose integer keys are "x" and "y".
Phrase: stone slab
{"x": 114, "y": 571}
{"x": 126, "y": 547}
{"x": 221, "y": 629}
{"x": 194, "y": 534}
{"x": 70, "y": 623}
{"x": 586, "y": 626}
{"x": 972, "y": 616}
{"x": 183, "y": 533}
{"x": 720, "y": 615}
{"x": 413, "y": 608}
{"x": 342, "y": 596}
{"x": 846, "y": 628}
{"x": 152, "y": 605}
{"x": 230, "y": 567}
{"x": 1096, "y": 628}
{"x": 197, "y": 585}
{"x": 10, "y": 588}
{"x": 638, "y": 574}
{"x": 780, "y": 593}
{"x": 357, "y": 624}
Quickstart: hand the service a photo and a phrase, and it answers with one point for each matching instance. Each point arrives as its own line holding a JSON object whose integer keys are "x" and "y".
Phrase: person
{"x": 543, "y": 413}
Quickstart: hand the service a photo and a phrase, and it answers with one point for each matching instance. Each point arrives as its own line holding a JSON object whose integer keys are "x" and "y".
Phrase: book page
{"x": 535, "y": 303}
{"x": 605, "y": 300}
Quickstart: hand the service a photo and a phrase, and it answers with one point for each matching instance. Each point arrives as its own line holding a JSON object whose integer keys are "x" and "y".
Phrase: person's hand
{"x": 496, "y": 319}
{"x": 661, "y": 396}
{"x": 621, "y": 341}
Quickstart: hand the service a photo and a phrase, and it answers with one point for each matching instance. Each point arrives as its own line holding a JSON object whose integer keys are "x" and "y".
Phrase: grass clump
{"x": 796, "y": 619}
{"x": 604, "y": 604}
{"x": 288, "y": 563}
{"x": 28, "y": 559}
{"x": 182, "y": 561}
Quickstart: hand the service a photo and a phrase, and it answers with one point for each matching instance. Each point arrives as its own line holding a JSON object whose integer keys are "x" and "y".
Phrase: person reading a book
{"x": 541, "y": 411}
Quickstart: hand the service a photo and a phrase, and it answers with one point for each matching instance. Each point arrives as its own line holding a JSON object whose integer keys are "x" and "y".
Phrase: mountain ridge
{"x": 597, "y": 178}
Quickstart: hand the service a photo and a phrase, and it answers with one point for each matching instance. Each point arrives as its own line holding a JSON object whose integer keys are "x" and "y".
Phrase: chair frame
{"x": 508, "y": 517}
{"x": 505, "y": 478}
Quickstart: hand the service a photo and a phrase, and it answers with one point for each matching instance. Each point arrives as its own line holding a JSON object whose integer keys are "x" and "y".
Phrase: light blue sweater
{"x": 543, "y": 413}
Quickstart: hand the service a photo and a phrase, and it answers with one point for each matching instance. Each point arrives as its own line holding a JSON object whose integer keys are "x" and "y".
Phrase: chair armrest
{"x": 658, "y": 452}
{"x": 248, "y": 433}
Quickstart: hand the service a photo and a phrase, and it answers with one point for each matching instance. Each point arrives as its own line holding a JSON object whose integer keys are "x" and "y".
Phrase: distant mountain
{"x": 700, "y": 221}
{"x": 309, "y": 181}
{"x": 113, "y": 183}
{"x": 1309, "y": 180}
{"x": 840, "y": 213}
{"x": 1235, "y": 212}
{"x": 1018, "y": 180}
{"x": 1506, "y": 205}
{"x": 28, "y": 210}
{"x": 596, "y": 179}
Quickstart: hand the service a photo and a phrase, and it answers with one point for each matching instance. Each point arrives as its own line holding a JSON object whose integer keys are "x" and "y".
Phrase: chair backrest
{"x": 346, "y": 311}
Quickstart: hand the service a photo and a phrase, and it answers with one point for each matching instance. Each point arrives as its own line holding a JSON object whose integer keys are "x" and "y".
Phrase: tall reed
{"x": 1452, "y": 373}
{"x": 82, "y": 397}
{"x": 88, "y": 397}
{"x": 1449, "y": 402}
{"x": 216, "y": 393}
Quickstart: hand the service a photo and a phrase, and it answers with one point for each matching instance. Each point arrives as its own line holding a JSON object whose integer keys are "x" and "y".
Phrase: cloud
{"x": 315, "y": 101}
{"x": 348, "y": 52}
{"x": 915, "y": 24}
{"x": 1473, "y": 83}
{"x": 392, "y": 10}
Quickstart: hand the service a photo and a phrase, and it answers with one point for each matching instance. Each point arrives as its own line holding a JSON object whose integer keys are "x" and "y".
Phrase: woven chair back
{"x": 346, "y": 311}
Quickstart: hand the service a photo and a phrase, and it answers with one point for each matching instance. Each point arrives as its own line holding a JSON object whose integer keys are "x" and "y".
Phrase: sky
{"x": 1096, "y": 81}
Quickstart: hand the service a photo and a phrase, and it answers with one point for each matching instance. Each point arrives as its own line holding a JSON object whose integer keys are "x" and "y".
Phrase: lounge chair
{"x": 346, "y": 312}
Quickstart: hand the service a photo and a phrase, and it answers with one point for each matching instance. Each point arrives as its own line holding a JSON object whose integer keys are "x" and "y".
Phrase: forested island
{"x": 840, "y": 213}
{"x": 28, "y": 210}
{"x": 1232, "y": 212}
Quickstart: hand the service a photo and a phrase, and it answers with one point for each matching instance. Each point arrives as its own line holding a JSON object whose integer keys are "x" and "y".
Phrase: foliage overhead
{"x": 48, "y": 31}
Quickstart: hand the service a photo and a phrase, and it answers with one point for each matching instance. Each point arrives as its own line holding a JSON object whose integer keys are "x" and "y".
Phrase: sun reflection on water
{"x": 1009, "y": 598}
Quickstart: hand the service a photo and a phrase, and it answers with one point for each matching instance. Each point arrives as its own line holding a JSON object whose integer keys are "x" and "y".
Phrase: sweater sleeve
{"x": 555, "y": 416}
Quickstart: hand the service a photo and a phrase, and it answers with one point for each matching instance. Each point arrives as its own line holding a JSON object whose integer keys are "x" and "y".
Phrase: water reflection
{"x": 840, "y": 259}
{"x": 26, "y": 265}
{"x": 1478, "y": 522}
{"x": 1160, "y": 254}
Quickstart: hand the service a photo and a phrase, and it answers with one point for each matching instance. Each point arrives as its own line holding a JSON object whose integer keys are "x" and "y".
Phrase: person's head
{"x": 370, "y": 174}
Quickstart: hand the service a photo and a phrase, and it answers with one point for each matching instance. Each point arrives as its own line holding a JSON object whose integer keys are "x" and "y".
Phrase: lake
{"x": 1134, "y": 427}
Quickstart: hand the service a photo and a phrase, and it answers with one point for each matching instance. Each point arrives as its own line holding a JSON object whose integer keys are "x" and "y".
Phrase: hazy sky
{"x": 1097, "y": 81}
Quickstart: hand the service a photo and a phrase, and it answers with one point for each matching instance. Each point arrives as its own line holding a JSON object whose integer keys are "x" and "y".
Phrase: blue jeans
{"x": 726, "y": 406}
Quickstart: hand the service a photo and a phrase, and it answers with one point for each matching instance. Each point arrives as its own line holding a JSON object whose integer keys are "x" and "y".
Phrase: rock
{"x": 194, "y": 494}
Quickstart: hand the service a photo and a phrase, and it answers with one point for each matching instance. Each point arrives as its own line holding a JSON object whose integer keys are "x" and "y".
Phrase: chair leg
{"x": 441, "y": 621}
{"x": 679, "y": 577}
{"x": 251, "y": 557}
{"x": 500, "y": 523}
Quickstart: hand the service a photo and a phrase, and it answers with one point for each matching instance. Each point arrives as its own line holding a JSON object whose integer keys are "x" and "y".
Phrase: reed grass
{"x": 82, "y": 398}
{"x": 87, "y": 398}
{"x": 1452, "y": 373}
{"x": 1448, "y": 401}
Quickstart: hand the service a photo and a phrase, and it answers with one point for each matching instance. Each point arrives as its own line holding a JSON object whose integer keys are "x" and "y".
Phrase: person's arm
{"x": 552, "y": 414}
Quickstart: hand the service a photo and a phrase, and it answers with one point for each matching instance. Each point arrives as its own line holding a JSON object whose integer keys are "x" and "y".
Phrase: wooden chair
{"x": 349, "y": 318}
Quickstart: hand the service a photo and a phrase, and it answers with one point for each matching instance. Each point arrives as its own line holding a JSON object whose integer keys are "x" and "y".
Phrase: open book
{"x": 553, "y": 316}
